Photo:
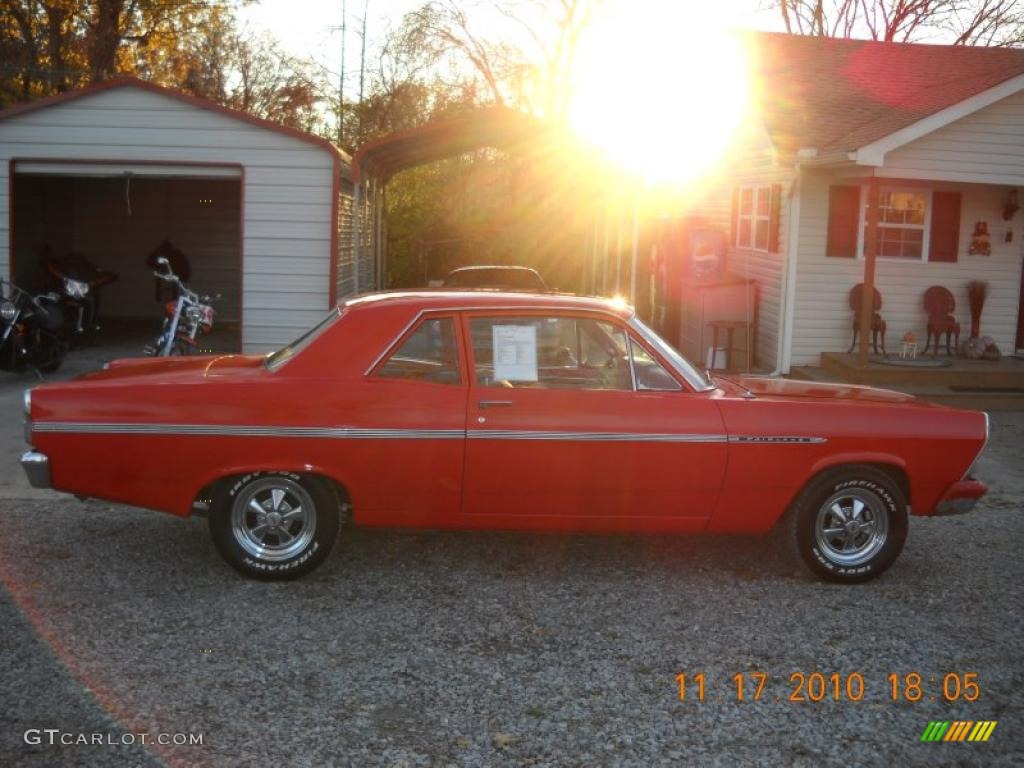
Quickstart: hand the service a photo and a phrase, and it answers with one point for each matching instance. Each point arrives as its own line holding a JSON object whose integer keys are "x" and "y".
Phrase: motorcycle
{"x": 185, "y": 318}
{"x": 29, "y": 327}
{"x": 79, "y": 282}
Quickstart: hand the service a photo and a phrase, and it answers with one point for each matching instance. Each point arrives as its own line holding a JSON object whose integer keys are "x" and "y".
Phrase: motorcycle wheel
{"x": 180, "y": 347}
{"x": 54, "y": 352}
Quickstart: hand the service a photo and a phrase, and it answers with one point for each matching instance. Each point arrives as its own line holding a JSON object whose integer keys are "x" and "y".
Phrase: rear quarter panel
{"x": 324, "y": 387}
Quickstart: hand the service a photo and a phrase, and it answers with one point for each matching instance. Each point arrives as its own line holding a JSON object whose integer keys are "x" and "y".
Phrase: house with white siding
{"x": 937, "y": 130}
{"x": 262, "y": 212}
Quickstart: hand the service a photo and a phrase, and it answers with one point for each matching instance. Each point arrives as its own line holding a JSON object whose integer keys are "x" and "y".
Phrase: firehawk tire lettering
{"x": 866, "y": 484}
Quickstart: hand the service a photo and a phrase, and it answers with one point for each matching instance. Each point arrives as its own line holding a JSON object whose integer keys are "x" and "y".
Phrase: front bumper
{"x": 961, "y": 497}
{"x": 37, "y": 468}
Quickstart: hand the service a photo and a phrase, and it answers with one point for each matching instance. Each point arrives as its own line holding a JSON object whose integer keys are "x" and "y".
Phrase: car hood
{"x": 767, "y": 387}
{"x": 177, "y": 368}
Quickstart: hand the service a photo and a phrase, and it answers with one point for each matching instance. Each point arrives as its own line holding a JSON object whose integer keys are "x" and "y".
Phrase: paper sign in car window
{"x": 515, "y": 352}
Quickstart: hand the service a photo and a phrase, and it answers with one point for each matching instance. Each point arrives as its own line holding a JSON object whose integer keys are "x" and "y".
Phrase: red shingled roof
{"x": 838, "y": 95}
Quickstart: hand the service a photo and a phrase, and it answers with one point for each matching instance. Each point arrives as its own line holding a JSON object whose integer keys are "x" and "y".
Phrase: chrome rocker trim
{"x": 362, "y": 433}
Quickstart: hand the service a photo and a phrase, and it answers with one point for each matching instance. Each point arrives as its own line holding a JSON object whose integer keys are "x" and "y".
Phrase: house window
{"x": 903, "y": 223}
{"x": 753, "y": 218}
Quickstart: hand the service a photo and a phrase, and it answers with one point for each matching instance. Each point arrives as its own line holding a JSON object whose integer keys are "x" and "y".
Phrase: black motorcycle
{"x": 79, "y": 281}
{"x": 29, "y": 330}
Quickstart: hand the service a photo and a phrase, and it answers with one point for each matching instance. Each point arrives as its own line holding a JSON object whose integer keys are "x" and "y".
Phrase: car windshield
{"x": 698, "y": 378}
{"x": 276, "y": 359}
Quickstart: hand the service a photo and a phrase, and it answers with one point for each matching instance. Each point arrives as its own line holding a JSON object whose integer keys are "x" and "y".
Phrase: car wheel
{"x": 849, "y": 524}
{"x": 275, "y": 525}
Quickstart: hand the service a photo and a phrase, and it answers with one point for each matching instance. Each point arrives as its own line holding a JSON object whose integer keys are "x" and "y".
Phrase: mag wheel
{"x": 850, "y": 524}
{"x": 275, "y": 525}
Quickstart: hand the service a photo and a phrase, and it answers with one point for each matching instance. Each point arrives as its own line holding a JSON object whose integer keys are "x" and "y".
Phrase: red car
{"x": 500, "y": 411}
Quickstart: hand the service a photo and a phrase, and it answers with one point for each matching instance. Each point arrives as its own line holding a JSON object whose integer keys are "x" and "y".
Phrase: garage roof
{"x": 340, "y": 157}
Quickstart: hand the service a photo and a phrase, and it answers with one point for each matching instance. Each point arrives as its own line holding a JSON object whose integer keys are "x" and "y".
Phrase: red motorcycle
{"x": 186, "y": 318}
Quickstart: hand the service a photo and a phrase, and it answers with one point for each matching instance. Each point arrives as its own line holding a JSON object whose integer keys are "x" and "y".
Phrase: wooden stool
{"x": 730, "y": 327}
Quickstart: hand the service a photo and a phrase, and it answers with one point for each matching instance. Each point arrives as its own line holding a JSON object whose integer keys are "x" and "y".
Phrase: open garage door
{"x": 115, "y": 215}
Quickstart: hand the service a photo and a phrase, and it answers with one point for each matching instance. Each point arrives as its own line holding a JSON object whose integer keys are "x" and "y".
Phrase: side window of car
{"x": 651, "y": 375}
{"x": 550, "y": 353}
{"x": 430, "y": 353}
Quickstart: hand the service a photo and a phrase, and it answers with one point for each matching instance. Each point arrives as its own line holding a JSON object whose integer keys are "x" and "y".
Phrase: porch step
{"x": 1005, "y": 374}
{"x": 974, "y": 396}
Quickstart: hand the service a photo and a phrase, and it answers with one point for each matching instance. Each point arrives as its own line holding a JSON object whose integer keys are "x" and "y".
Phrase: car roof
{"x": 489, "y": 299}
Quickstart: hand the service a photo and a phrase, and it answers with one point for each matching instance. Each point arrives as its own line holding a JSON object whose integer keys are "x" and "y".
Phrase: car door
{"x": 560, "y": 434}
{"x": 415, "y": 407}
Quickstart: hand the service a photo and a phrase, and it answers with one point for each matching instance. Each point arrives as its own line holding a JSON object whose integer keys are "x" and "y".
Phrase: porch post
{"x": 867, "y": 299}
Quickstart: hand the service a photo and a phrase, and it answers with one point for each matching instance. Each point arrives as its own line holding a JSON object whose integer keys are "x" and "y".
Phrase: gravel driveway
{"x": 415, "y": 649}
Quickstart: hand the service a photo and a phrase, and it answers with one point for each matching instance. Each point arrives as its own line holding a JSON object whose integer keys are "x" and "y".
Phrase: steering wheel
{"x": 565, "y": 358}
{"x": 616, "y": 361}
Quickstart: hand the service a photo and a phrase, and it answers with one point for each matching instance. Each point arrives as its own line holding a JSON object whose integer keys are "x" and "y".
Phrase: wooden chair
{"x": 940, "y": 306}
{"x": 877, "y": 323}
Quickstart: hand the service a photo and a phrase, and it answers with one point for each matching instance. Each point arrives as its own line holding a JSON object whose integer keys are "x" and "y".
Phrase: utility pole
{"x": 341, "y": 82}
{"x": 362, "y": 53}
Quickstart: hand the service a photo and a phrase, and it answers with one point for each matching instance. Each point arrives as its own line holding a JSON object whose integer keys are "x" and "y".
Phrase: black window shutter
{"x": 945, "y": 233}
{"x": 843, "y": 221}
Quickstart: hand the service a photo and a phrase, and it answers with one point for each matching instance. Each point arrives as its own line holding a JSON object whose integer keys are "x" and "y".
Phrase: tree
{"x": 269, "y": 83}
{"x": 959, "y": 22}
{"x": 532, "y": 70}
{"x": 483, "y": 206}
{"x": 50, "y": 46}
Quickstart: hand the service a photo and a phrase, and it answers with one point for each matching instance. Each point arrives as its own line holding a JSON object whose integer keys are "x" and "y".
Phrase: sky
{"x": 313, "y": 27}
{"x": 666, "y": 63}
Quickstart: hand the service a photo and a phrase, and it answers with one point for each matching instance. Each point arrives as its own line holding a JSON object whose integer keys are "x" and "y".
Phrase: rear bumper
{"x": 961, "y": 497}
{"x": 37, "y": 468}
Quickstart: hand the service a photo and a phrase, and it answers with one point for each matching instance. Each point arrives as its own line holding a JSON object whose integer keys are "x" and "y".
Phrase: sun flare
{"x": 660, "y": 89}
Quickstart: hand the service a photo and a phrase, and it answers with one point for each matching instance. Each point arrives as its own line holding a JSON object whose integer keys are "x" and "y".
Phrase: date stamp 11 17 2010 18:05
{"x": 814, "y": 687}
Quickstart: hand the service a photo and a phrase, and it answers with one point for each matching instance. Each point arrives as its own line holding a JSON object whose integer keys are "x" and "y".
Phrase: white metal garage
{"x": 114, "y": 170}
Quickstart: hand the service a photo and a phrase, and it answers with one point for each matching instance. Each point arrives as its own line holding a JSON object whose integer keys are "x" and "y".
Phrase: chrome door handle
{"x": 494, "y": 403}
